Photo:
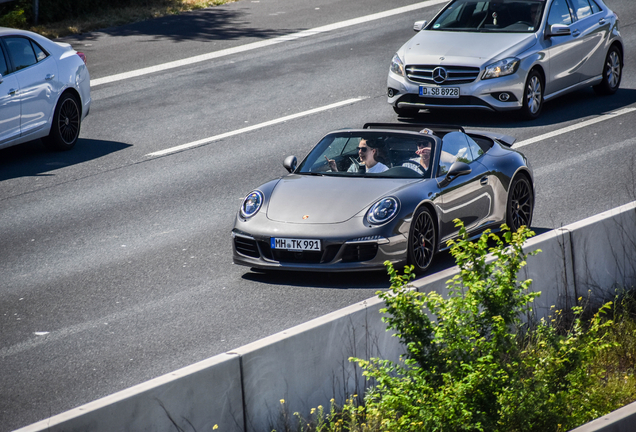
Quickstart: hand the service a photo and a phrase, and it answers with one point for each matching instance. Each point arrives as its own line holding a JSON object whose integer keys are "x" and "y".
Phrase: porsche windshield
{"x": 371, "y": 154}
{"x": 506, "y": 16}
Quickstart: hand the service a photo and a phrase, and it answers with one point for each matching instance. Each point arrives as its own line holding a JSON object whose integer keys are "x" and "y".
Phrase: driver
{"x": 369, "y": 155}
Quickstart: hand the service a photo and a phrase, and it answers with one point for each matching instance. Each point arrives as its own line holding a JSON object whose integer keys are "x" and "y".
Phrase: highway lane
{"x": 120, "y": 262}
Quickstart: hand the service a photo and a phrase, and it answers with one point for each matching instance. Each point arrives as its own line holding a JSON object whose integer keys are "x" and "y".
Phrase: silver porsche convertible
{"x": 383, "y": 192}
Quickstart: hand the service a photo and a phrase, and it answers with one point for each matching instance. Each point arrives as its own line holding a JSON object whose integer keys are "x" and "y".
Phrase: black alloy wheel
{"x": 612, "y": 73}
{"x": 422, "y": 240}
{"x": 66, "y": 124}
{"x": 532, "y": 96}
{"x": 520, "y": 203}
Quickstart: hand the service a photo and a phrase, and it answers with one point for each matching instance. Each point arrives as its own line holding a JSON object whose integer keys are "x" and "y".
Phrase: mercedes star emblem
{"x": 439, "y": 75}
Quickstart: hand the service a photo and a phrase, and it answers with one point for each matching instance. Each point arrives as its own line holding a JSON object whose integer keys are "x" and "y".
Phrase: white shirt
{"x": 377, "y": 168}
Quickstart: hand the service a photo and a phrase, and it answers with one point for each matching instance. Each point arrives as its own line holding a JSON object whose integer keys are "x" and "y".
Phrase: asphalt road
{"x": 115, "y": 266}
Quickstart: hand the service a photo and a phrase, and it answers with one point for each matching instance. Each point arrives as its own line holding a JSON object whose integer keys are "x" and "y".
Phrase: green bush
{"x": 473, "y": 364}
{"x": 13, "y": 18}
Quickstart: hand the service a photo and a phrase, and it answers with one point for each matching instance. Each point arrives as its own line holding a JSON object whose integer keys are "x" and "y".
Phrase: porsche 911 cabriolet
{"x": 386, "y": 192}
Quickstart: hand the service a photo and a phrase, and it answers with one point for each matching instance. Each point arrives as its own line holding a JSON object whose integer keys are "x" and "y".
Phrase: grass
{"x": 110, "y": 17}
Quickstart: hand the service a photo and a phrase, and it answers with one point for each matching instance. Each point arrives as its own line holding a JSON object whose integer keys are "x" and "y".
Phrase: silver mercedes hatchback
{"x": 502, "y": 55}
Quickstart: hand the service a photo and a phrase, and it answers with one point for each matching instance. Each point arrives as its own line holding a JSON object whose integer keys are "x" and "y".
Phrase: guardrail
{"x": 307, "y": 365}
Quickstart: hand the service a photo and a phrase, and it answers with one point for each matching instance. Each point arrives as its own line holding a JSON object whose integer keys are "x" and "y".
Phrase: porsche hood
{"x": 326, "y": 200}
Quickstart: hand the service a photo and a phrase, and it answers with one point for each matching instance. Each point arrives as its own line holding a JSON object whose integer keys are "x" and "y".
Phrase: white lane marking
{"x": 254, "y": 127}
{"x": 574, "y": 127}
{"x": 262, "y": 44}
{"x": 598, "y": 154}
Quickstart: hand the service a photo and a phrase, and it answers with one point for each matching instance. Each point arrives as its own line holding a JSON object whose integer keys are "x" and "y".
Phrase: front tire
{"x": 520, "y": 203}
{"x": 66, "y": 124}
{"x": 532, "y": 96}
{"x": 422, "y": 241}
{"x": 612, "y": 73}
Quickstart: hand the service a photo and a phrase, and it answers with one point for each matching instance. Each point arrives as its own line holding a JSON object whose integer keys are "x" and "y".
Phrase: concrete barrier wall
{"x": 193, "y": 398}
{"x": 308, "y": 365}
{"x": 604, "y": 251}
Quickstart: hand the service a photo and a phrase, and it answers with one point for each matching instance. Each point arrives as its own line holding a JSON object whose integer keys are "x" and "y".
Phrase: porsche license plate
{"x": 295, "y": 244}
{"x": 439, "y": 92}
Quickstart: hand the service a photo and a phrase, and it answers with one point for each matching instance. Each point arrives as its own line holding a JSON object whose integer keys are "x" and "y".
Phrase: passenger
{"x": 370, "y": 155}
{"x": 421, "y": 163}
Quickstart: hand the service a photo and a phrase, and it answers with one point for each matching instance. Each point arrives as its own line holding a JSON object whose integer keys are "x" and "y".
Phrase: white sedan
{"x": 44, "y": 90}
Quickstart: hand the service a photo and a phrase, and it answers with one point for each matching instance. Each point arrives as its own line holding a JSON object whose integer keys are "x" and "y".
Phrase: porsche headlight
{"x": 501, "y": 68}
{"x": 251, "y": 204}
{"x": 383, "y": 211}
{"x": 397, "y": 67}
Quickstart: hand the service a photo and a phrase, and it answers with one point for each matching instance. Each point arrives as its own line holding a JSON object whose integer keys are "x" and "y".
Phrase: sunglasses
{"x": 363, "y": 149}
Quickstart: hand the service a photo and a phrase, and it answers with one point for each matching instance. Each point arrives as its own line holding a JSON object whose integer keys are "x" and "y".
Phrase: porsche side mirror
{"x": 456, "y": 170}
{"x": 419, "y": 25}
{"x": 290, "y": 163}
{"x": 558, "y": 30}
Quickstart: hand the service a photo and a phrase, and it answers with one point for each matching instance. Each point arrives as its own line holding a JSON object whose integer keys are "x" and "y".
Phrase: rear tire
{"x": 532, "y": 96}
{"x": 406, "y": 112}
{"x": 612, "y": 73}
{"x": 422, "y": 241}
{"x": 520, "y": 203}
{"x": 66, "y": 124}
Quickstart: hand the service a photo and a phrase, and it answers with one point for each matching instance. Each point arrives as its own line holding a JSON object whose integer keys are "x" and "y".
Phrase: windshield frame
{"x": 507, "y": 16}
{"x": 396, "y": 146}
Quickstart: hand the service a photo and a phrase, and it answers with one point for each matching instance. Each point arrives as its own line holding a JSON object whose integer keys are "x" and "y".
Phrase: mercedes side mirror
{"x": 558, "y": 30}
{"x": 419, "y": 25}
{"x": 290, "y": 163}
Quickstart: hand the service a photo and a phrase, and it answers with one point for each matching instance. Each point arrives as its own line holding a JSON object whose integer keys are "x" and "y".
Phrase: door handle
{"x": 576, "y": 32}
{"x": 11, "y": 92}
{"x": 49, "y": 77}
{"x": 483, "y": 181}
{"x": 601, "y": 21}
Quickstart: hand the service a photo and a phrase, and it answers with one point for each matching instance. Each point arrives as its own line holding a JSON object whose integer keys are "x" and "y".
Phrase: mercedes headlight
{"x": 397, "y": 67}
{"x": 501, "y": 68}
{"x": 251, "y": 204}
{"x": 383, "y": 211}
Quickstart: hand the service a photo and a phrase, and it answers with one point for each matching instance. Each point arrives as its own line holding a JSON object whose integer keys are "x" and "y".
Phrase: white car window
{"x": 582, "y": 8}
{"x": 559, "y": 13}
{"x": 4, "y": 69}
{"x": 595, "y": 7}
{"x": 39, "y": 52}
{"x": 21, "y": 52}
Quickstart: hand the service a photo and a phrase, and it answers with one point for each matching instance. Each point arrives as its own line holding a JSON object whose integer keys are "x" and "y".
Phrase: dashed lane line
{"x": 602, "y": 117}
{"x": 254, "y": 127}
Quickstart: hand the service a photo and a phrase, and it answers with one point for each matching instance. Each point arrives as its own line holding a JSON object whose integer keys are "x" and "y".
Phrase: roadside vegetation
{"x": 57, "y": 18}
{"x": 477, "y": 361}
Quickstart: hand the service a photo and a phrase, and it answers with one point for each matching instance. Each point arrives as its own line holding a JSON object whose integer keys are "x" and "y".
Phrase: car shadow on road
{"x": 377, "y": 279}
{"x": 574, "y": 106}
{"x": 32, "y": 159}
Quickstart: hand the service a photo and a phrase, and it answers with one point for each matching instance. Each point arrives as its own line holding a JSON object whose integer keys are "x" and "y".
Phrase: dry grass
{"x": 116, "y": 17}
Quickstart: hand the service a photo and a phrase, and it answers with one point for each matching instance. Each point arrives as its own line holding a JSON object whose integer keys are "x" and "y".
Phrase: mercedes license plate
{"x": 439, "y": 92}
{"x": 295, "y": 244}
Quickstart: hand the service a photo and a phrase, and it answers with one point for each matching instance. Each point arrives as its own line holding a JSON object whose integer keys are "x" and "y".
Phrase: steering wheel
{"x": 415, "y": 166}
{"x": 354, "y": 163}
